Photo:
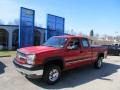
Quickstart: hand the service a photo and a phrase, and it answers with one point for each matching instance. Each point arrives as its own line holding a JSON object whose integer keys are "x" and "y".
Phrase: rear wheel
{"x": 52, "y": 74}
{"x": 98, "y": 63}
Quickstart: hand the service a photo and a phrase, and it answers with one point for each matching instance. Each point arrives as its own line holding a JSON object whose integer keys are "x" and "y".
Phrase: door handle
{"x": 81, "y": 51}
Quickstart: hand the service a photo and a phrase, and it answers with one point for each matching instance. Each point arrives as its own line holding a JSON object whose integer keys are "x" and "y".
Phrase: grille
{"x": 21, "y": 55}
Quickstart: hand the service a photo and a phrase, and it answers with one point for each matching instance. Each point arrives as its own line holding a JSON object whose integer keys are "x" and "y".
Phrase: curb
{"x": 6, "y": 56}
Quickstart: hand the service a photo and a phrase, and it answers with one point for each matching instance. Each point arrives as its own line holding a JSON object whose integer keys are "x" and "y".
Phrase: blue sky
{"x": 103, "y": 16}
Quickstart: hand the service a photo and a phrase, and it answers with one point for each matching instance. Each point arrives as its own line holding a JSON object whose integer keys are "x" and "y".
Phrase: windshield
{"x": 56, "y": 42}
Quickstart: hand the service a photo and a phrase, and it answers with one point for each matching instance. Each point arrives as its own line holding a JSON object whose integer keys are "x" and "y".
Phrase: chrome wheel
{"x": 53, "y": 75}
{"x": 99, "y": 62}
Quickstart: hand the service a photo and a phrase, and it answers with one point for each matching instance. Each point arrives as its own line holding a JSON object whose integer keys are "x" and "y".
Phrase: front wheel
{"x": 98, "y": 63}
{"x": 52, "y": 74}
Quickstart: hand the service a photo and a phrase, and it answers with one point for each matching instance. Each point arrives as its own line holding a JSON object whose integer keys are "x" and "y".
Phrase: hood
{"x": 37, "y": 49}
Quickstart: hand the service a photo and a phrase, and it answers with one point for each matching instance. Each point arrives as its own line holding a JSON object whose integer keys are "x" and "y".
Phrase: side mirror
{"x": 69, "y": 47}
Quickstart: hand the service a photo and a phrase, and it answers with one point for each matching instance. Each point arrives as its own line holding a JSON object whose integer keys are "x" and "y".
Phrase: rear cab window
{"x": 85, "y": 43}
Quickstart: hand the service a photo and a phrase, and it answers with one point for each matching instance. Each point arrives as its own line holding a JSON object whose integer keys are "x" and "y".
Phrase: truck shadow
{"x": 79, "y": 76}
{"x": 2, "y": 67}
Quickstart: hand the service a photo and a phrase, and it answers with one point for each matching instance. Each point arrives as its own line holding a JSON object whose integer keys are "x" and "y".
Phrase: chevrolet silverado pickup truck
{"x": 57, "y": 54}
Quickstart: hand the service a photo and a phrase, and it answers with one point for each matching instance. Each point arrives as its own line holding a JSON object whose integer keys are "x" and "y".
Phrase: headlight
{"x": 31, "y": 59}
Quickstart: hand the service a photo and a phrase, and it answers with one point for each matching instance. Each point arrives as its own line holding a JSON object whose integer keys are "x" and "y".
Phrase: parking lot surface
{"x": 83, "y": 78}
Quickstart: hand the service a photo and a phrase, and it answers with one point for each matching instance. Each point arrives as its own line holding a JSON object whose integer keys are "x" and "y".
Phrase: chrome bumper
{"x": 28, "y": 72}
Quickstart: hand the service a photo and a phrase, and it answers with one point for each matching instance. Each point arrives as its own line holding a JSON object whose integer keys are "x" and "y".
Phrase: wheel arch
{"x": 54, "y": 60}
{"x": 101, "y": 55}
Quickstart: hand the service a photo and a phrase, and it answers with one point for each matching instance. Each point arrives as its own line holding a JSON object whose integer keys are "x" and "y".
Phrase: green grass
{"x": 7, "y": 53}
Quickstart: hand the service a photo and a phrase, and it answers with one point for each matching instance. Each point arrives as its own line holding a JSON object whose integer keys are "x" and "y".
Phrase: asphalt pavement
{"x": 83, "y": 78}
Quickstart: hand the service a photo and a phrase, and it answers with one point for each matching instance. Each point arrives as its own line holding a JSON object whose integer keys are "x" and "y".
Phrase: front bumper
{"x": 29, "y": 70}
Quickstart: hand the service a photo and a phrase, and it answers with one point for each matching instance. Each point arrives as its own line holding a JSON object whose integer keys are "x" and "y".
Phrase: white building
{"x": 9, "y": 36}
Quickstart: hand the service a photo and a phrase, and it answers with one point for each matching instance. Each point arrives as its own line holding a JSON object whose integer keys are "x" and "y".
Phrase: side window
{"x": 74, "y": 43}
{"x": 85, "y": 43}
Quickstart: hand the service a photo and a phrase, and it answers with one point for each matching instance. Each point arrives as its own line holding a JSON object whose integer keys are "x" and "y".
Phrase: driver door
{"x": 72, "y": 53}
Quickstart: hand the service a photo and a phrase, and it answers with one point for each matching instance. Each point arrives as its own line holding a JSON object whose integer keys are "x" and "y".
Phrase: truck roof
{"x": 69, "y": 36}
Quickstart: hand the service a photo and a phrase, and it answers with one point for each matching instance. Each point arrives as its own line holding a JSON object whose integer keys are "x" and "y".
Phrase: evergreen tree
{"x": 91, "y": 33}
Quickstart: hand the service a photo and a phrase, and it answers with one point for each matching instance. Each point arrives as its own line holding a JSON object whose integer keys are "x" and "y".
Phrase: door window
{"x": 74, "y": 43}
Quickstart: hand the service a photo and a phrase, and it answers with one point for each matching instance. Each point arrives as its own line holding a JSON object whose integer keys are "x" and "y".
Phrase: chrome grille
{"x": 21, "y": 55}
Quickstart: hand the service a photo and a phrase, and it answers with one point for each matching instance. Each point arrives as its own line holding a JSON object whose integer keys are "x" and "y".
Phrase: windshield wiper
{"x": 51, "y": 46}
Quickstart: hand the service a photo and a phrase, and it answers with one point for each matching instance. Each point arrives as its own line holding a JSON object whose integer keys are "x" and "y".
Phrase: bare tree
{"x": 70, "y": 32}
{"x": 66, "y": 31}
{"x": 15, "y": 22}
{"x": 96, "y": 36}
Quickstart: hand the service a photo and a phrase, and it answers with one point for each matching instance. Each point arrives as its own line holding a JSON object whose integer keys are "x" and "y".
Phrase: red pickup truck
{"x": 58, "y": 54}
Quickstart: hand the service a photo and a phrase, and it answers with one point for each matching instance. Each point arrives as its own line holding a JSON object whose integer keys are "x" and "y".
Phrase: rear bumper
{"x": 29, "y": 70}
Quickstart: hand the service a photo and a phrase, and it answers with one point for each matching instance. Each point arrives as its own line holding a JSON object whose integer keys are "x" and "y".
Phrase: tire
{"x": 51, "y": 74}
{"x": 98, "y": 63}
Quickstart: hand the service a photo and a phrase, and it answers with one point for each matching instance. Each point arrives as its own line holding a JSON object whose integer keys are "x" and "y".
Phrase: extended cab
{"x": 59, "y": 53}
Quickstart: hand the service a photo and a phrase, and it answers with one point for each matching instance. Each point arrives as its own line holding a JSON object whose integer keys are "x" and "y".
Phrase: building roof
{"x": 18, "y": 26}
